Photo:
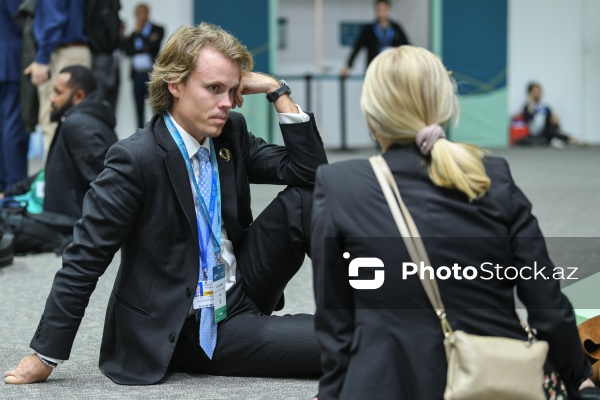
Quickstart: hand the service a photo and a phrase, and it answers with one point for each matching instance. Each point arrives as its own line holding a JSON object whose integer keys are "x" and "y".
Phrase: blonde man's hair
{"x": 408, "y": 88}
{"x": 178, "y": 58}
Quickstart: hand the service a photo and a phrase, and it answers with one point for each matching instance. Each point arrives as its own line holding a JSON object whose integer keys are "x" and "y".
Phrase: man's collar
{"x": 191, "y": 144}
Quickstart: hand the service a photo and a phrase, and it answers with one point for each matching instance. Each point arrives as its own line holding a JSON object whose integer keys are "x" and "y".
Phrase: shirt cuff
{"x": 289, "y": 118}
{"x": 54, "y": 360}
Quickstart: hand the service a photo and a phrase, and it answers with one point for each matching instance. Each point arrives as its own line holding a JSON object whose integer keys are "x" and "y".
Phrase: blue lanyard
{"x": 389, "y": 34}
{"x": 215, "y": 195}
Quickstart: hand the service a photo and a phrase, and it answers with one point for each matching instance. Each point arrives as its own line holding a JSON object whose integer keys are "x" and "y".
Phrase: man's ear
{"x": 174, "y": 89}
{"x": 78, "y": 96}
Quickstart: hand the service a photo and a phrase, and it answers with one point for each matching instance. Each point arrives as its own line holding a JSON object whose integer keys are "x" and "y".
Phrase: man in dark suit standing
{"x": 377, "y": 36}
{"x": 143, "y": 46}
{"x": 199, "y": 277}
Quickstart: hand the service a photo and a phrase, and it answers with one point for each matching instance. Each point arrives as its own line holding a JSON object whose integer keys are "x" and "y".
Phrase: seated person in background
{"x": 83, "y": 136}
{"x": 389, "y": 341}
{"x": 543, "y": 125}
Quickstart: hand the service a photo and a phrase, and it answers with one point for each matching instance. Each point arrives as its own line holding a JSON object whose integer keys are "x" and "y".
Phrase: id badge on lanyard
{"x": 211, "y": 293}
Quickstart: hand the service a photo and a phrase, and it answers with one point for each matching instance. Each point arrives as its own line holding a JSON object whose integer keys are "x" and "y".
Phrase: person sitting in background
{"x": 83, "y": 136}
{"x": 389, "y": 341}
{"x": 59, "y": 32}
{"x": 543, "y": 125}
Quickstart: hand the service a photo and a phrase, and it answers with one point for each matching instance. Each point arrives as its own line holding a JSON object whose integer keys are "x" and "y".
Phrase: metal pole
{"x": 318, "y": 57}
{"x": 308, "y": 91}
{"x": 344, "y": 144}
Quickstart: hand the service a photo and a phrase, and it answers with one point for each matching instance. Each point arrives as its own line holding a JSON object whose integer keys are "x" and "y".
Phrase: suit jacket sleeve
{"x": 400, "y": 39}
{"x": 549, "y": 310}
{"x": 150, "y": 46}
{"x": 334, "y": 316}
{"x": 155, "y": 40}
{"x": 110, "y": 209}
{"x": 54, "y": 15}
{"x": 362, "y": 41}
{"x": 294, "y": 164}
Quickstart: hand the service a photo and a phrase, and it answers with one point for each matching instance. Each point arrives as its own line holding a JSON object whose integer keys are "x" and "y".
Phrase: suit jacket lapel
{"x": 227, "y": 181}
{"x": 178, "y": 174}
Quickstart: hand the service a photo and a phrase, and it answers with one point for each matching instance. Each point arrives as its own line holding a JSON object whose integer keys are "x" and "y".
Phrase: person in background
{"x": 468, "y": 211}
{"x": 105, "y": 34}
{"x": 377, "y": 36}
{"x": 84, "y": 134}
{"x": 58, "y": 27}
{"x": 199, "y": 276}
{"x": 544, "y": 127}
{"x": 143, "y": 46}
{"x": 14, "y": 139}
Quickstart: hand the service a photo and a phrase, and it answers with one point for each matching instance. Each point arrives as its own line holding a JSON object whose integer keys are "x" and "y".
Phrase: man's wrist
{"x": 282, "y": 89}
{"x": 47, "y": 362}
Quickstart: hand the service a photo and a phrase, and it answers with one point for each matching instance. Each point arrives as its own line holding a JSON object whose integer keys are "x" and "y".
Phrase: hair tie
{"x": 427, "y": 137}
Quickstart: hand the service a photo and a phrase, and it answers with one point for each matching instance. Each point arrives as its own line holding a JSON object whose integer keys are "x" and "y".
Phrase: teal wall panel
{"x": 471, "y": 38}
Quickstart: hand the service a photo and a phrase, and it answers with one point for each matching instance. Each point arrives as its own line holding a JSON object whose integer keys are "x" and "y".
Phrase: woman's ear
{"x": 372, "y": 132}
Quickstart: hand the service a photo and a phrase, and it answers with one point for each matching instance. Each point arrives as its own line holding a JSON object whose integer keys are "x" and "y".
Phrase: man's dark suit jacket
{"x": 369, "y": 40}
{"x": 77, "y": 153}
{"x": 151, "y": 47}
{"x": 387, "y": 343}
{"x": 142, "y": 203}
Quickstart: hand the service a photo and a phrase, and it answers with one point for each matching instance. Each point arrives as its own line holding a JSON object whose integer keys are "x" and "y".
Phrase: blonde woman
{"x": 384, "y": 341}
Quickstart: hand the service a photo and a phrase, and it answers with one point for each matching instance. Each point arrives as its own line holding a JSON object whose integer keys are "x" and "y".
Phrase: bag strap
{"x": 410, "y": 235}
{"x": 414, "y": 243}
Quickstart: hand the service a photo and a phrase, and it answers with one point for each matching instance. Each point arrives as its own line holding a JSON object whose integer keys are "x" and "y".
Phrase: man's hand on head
{"x": 30, "y": 369}
{"x": 255, "y": 83}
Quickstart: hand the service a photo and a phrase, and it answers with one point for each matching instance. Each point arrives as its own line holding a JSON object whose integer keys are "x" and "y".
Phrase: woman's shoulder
{"x": 497, "y": 169}
{"x": 344, "y": 170}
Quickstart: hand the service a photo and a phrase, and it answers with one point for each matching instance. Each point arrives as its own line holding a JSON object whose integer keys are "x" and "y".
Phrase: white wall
{"x": 164, "y": 13}
{"x": 557, "y": 43}
{"x": 299, "y": 57}
{"x": 591, "y": 79}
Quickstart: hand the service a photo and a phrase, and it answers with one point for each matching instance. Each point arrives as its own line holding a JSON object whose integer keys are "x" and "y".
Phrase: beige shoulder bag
{"x": 479, "y": 367}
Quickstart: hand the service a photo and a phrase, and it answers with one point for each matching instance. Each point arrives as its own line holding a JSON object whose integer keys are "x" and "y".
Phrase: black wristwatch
{"x": 280, "y": 91}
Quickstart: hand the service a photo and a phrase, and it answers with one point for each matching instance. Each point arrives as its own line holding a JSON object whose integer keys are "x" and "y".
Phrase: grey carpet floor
{"x": 563, "y": 185}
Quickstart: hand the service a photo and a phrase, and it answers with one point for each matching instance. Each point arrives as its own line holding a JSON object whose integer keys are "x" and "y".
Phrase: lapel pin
{"x": 225, "y": 154}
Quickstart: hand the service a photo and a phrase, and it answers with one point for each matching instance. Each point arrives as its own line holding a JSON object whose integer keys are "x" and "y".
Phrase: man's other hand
{"x": 29, "y": 370}
{"x": 40, "y": 73}
{"x": 345, "y": 71}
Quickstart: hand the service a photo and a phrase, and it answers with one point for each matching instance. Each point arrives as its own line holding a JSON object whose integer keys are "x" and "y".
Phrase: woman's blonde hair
{"x": 178, "y": 57}
{"x": 408, "y": 88}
